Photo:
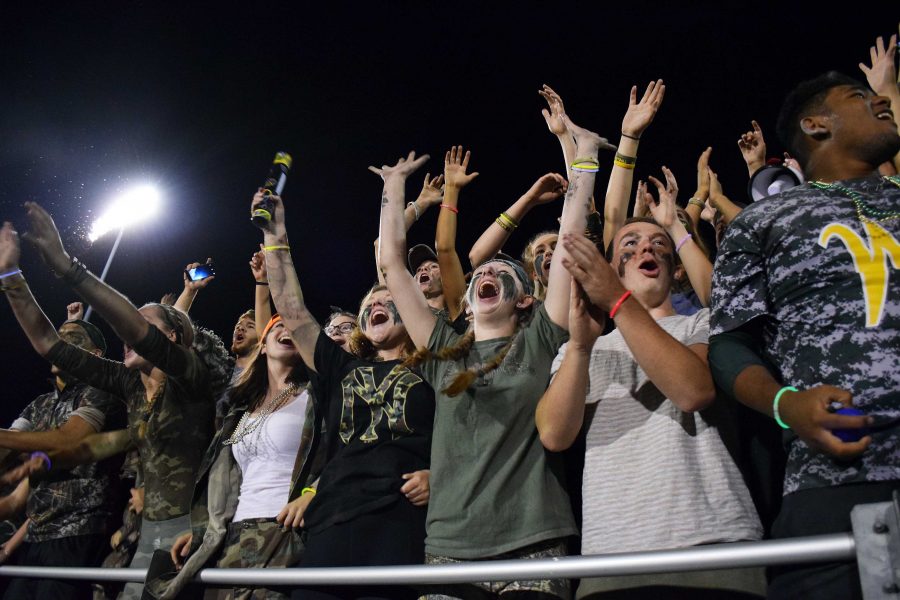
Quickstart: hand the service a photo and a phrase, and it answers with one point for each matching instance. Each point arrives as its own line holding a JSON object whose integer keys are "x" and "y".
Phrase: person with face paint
{"x": 487, "y": 456}
{"x": 638, "y": 391}
{"x": 253, "y": 487}
{"x": 169, "y": 379}
{"x": 369, "y": 504}
{"x": 70, "y": 515}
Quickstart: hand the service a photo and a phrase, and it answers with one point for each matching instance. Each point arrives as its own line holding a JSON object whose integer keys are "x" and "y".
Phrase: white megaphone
{"x": 773, "y": 179}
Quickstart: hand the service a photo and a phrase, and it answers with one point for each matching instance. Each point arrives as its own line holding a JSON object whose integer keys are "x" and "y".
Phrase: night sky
{"x": 197, "y": 100}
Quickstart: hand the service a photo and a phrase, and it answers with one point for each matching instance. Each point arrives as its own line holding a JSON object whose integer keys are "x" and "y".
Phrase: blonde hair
{"x": 540, "y": 290}
{"x": 362, "y": 346}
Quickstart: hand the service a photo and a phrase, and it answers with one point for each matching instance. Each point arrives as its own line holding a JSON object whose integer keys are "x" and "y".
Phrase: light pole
{"x": 132, "y": 207}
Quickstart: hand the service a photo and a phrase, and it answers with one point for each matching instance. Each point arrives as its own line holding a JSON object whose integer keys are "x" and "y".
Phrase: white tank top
{"x": 266, "y": 458}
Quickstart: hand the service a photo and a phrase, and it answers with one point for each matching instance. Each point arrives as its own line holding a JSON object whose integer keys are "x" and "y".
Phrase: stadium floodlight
{"x": 136, "y": 205}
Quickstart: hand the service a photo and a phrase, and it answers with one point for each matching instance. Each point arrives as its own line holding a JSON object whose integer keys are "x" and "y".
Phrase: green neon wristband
{"x": 775, "y": 405}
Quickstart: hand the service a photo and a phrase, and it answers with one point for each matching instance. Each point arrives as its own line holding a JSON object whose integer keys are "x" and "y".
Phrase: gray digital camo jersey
{"x": 77, "y": 501}
{"x": 826, "y": 287}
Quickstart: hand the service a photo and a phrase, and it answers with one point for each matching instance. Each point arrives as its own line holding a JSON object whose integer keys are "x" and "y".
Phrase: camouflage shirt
{"x": 825, "y": 288}
{"x": 172, "y": 430}
{"x": 82, "y": 500}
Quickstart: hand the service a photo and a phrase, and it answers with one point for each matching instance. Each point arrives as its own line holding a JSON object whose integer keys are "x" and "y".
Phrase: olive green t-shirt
{"x": 494, "y": 488}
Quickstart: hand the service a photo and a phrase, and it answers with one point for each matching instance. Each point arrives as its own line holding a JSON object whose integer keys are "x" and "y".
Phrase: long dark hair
{"x": 251, "y": 387}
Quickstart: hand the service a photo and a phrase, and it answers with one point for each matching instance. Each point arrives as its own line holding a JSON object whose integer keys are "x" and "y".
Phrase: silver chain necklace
{"x": 245, "y": 427}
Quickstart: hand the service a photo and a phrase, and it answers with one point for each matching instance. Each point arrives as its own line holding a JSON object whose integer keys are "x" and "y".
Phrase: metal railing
{"x": 823, "y": 548}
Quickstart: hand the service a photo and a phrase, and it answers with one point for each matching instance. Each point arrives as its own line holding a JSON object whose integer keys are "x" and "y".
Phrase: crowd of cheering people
{"x": 610, "y": 391}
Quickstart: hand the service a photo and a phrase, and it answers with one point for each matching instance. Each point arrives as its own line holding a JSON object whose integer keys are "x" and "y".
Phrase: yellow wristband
{"x": 309, "y": 490}
{"x": 271, "y": 248}
{"x": 623, "y": 164}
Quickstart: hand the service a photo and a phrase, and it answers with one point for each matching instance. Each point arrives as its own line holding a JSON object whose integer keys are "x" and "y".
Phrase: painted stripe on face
{"x": 508, "y": 286}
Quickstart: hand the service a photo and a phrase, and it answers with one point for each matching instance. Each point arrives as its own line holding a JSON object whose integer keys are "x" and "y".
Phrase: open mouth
{"x": 286, "y": 340}
{"x": 379, "y": 317}
{"x": 885, "y": 115}
{"x": 649, "y": 267}
{"x": 238, "y": 337}
{"x": 546, "y": 264}
{"x": 424, "y": 278}
{"x": 487, "y": 290}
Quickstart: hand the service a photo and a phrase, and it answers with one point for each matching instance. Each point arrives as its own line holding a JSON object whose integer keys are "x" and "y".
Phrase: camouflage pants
{"x": 155, "y": 535}
{"x": 256, "y": 543}
{"x": 549, "y": 588}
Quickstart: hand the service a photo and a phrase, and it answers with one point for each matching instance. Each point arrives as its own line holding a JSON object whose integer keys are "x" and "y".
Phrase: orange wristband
{"x": 618, "y": 304}
{"x": 452, "y": 209}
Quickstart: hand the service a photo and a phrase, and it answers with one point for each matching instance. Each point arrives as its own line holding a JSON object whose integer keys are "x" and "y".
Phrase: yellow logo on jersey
{"x": 871, "y": 262}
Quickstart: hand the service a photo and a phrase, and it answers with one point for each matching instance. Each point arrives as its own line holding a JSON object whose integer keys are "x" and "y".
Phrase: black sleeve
{"x": 172, "y": 359}
{"x": 107, "y": 375}
{"x": 730, "y": 353}
{"x": 330, "y": 361}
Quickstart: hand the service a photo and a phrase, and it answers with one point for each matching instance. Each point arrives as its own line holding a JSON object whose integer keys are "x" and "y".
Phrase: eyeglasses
{"x": 344, "y": 328}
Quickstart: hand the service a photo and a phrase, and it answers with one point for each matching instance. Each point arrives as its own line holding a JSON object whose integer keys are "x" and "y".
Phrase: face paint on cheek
{"x": 364, "y": 318}
{"x": 470, "y": 295}
{"x": 539, "y": 265}
{"x": 392, "y": 308}
{"x": 626, "y": 256}
{"x": 508, "y": 286}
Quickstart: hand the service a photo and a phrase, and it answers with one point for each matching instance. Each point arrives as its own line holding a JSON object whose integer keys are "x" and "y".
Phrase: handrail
{"x": 821, "y": 548}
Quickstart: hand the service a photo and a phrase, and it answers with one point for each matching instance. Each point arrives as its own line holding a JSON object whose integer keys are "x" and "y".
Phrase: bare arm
{"x": 11, "y": 505}
{"x": 753, "y": 148}
{"x": 576, "y": 207}
{"x": 693, "y": 209}
{"x": 452, "y": 275}
{"x": 115, "y": 308}
{"x": 73, "y": 430}
{"x": 262, "y": 306}
{"x": 414, "y": 310}
{"x": 191, "y": 288}
{"x": 637, "y": 118}
{"x": 546, "y": 189}
{"x": 680, "y": 372}
{"x": 285, "y": 287}
{"x": 720, "y": 201}
{"x": 696, "y": 264}
{"x": 560, "y": 411}
{"x": 553, "y": 115}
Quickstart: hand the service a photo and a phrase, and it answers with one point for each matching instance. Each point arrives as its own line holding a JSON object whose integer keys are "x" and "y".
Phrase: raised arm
{"x": 191, "y": 288}
{"x": 696, "y": 263}
{"x": 432, "y": 193}
{"x": 883, "y": 78}
{"x": 553, "y": 115}
{"x": 73, "y": 430}
{"x": 414, "y": 310}
{"x": 753, "y": 148}
{"x": 284, "y": 285}
{"x": 680, "y": 372}
{"x": 34, "y": 322}
{"x": 115, "y": 308}
{"x": 560, "y": 411}
{"x": 262, "y": 306}
{"x": 697, "y": 202}
{"x": 576, "y": 207}
{"x": 546, "y": 189}
{"x": 452, "y": 275}
{"x": 637, "y": 118}
{"x": 720, "y": 201}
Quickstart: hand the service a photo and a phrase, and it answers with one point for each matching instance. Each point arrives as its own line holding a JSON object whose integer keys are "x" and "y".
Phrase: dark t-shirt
{"x": 825, "y": 288}
{"x": 378, "y": 421}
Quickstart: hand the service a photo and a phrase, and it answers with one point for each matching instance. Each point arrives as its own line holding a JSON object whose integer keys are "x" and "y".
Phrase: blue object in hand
{"x": 850, "y": 435}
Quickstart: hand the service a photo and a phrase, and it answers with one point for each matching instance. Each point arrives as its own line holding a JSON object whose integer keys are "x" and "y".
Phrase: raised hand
{"x": 587, "y": 143}
{"x": 192, "y": 285}
{"x": 258, "y": 265}
{"x": 168, "y": 299}
{"x": 455, "y": 166}
{"x": 9, "y": 248}
{"x": 554, "y": 117}
{"x": 416, "y": 489}
{"x": 547, "y": 188}
{"x": 702, "y": 192}
{"x": 74, "y": 311}
{"x": 585, "y": 320}
{"x": 882, "y": 75}
{"x": 640, "y": 114}
{"x": 807, "y": 414}
{"x": 715, "y": 190}
{"x": 753, "y": 147}
{"x": 663, "y": 210}
{"x": 44, "y": 235}
{"x": 591, "y": 270}
{"x": 708, "y": 213}
{"x": 432, "y": 191}
{"x": 641, "y": 209}
{"x": 403, "y": 169}
{"x": 275, "y": 226}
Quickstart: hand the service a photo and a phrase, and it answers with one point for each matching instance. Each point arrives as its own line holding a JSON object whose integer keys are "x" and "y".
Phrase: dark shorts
{"x": 75, "y": 551}
{"x": 819, "y": 511}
